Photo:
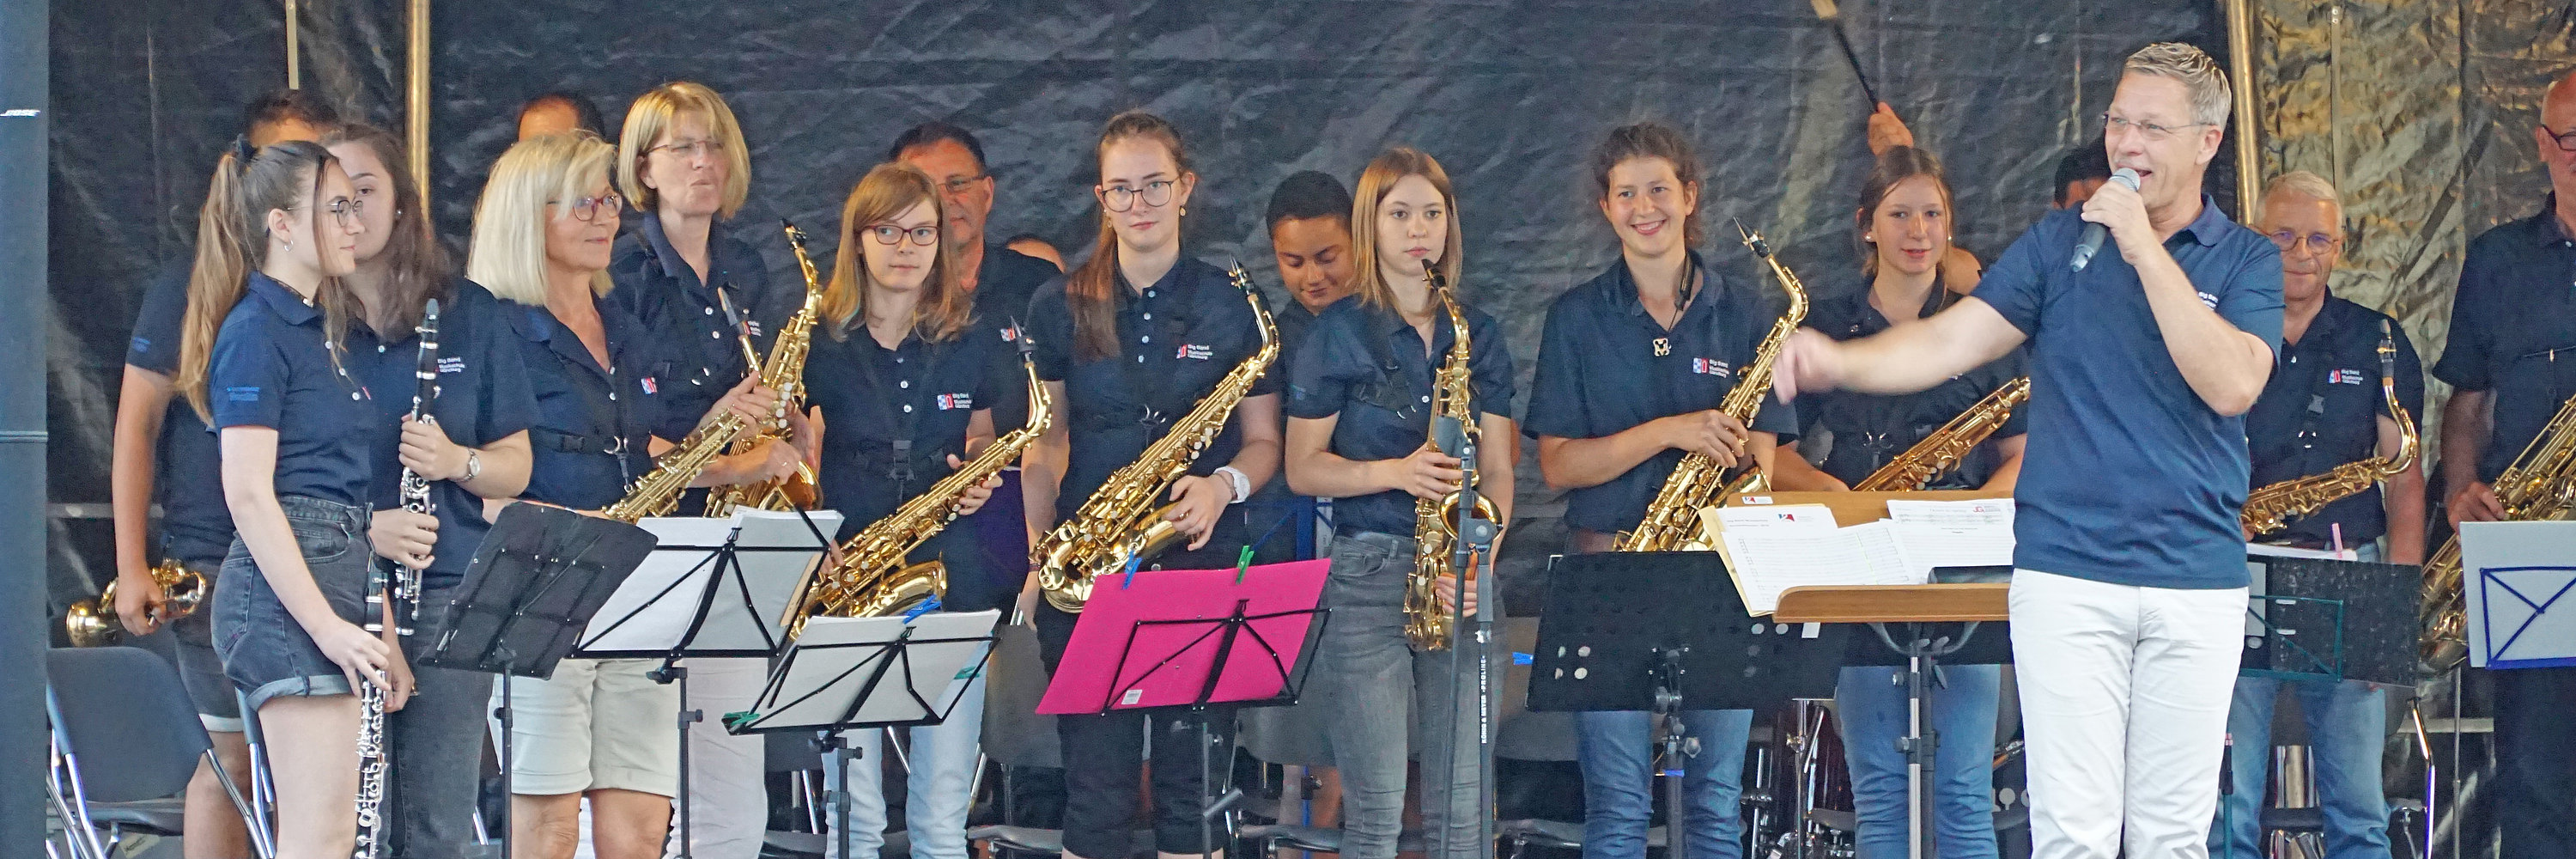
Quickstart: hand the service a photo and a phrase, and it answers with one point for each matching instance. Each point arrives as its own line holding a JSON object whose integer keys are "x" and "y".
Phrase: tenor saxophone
{"x": 1455, "y": 432}
{"x": 2539, "y": 485}
{"x": 1125, "y": 520}
{"x": 1941, "y": 451}
{"x": 2271, "y": 507}
{"x": 784, "y": 372}
{"x": 1672, "y": 519}
{"x": 870, "y": 579}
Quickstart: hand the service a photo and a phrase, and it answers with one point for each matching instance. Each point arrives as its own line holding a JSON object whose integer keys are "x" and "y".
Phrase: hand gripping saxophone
{"x": 402, "y": 586}
{"x": 2540, "y": 485}
{"x": 1125, "y": 520}
{"x": 92, "y": 622}
{"x": 1435, "y": 522}
{"x": 1672, "y": 519}
{"x": 658, "y": 492}
{"x": 2270, "y": 508}
{"x": 870, "y": 578}
{"x": 1941, "y": 451}
{"x": 784, "y": 372}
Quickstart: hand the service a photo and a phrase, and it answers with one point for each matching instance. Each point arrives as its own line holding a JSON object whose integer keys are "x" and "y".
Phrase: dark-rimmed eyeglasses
{"x": 2316, "y": 243}
{"x": 2566, "y": 139}
{"x": 1120, "y": 198}
{"x": 887, "y": 234}
{"x": 2153, "y": 131}
{"x": 346, "y": 212}
{"x": 962, "y": 184}
{"x": 587, "y": 209}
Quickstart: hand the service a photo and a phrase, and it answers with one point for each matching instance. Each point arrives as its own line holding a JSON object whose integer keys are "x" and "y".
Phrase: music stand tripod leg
{"x": 673, "y": 672}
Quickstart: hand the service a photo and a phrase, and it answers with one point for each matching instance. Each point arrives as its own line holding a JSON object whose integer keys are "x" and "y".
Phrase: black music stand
{"x": 2326, "y": 619}
{"x": 1653, "y": 630}
{"x": 1188, "y": 640}
{"x": 714, "y": 588}
{"x": 540, "y": 574}
{"x": 834, "y": 678}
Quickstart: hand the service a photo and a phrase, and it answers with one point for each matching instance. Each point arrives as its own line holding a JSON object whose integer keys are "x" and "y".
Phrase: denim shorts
{"x": 266, "y": 652}
{"x": 200, "y": 670}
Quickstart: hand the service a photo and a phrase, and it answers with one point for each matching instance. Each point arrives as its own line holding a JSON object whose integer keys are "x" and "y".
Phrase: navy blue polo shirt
{"x": 1862, "y": 432}
{"x": 594, "y": 425}
{"x": 1605, "y": 366}
{"x": 483, "y": 396}
{"x": 188, "y": 477}
{"x": 2321, "y": 409}
{"x": 1002, "y": 289}
{"x": 701, "y": 358}
{"x": 1176, "y": 338}
{"x": 1362, "y": 362}
{"x": 2513, "y": 330}
{"x": 922, "y": 393}
{"x": 2128, "y": 476}
{"x": 273, "y": 367}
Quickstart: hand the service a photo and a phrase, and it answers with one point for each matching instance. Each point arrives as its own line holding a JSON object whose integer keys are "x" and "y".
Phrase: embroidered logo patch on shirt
{"x": 242, "y": 394}
{"x": 1712, "y": 367}
{"x": 1195, "y": 352}
{"x": 956, "y": 401}
{"x": 141, "y": 344}
{"x": 451, "y": 365}
{"x": 2347, "y": 377}
{"x": 650, "y": 388}
{"x": 754, "y": 325}
{"x": 2209, "y": 301}
{"x": 1010, "y": 333}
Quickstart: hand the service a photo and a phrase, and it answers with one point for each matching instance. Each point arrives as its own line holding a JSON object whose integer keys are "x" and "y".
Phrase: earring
{"x": 1185, "y": 211}
{"x": 290, "y": 243}
{"x": 1869, "y": 237}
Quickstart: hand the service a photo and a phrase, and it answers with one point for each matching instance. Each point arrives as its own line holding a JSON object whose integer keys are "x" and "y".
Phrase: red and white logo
{"x": 956, "y": 401}
{"x": 2348, "y": 377}
{"x": 1712, "y": 367}
{"x": 649, "y": 387}
{"x": 1195, "y": 352}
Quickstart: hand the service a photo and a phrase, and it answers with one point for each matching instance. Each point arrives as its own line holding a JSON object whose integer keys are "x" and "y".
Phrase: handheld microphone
{"x": 2095, "y": 233}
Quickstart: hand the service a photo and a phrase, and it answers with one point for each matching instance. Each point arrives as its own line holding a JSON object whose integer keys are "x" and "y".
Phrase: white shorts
{"x": 598, "y": 724}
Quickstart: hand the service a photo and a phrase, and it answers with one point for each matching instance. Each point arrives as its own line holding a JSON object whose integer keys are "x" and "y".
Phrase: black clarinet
{"x": 400, "y": 583}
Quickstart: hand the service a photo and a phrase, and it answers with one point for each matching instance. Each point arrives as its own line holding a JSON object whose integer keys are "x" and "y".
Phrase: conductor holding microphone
{"x": 2129, "y": 585}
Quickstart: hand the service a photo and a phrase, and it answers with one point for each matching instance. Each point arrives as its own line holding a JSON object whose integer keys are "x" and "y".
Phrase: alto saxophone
{"x": 784, "y": 372}
{"x": 401, "y": 587}
{"x": 1455, "y": 432}
{"x": 93, "y": 623}
{"x": 2539, "y": 485}
{"x": 658, "y": 492}
{"x": 2270, "y": 508}
{"x": 1941, "y": 451}
{"x": 870, "y": 579}
{"x": 1672, "y": 519}
{"x": 1124, "y": 521}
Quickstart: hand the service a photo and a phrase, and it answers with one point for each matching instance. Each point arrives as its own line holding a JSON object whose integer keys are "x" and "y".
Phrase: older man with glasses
{"x": 2322, "y": 408}
{"x": 2511, "y": 362}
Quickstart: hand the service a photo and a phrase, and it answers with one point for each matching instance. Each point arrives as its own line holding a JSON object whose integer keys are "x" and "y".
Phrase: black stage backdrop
{"x": 1510, "y": 96}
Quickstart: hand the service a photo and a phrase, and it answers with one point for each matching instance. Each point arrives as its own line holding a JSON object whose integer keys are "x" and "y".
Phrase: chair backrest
{"x": 124, "y": 714}
{"x": 1014, "y": 733}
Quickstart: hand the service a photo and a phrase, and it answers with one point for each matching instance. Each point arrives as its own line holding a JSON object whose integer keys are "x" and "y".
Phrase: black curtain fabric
{"x": 1510, "y": 96}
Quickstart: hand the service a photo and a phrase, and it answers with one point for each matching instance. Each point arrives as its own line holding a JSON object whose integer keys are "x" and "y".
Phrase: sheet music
{"x": 818, "y": 687}
{"x": 657, "y": 606}
{"x": 1767, "y": 562}
{"x": 1791, "y": 517}
{"x": 1928, "y": 545}
{"x": 1972, "y": 514}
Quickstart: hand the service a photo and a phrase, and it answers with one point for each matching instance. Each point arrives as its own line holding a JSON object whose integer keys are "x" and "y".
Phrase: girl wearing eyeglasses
{"x": 682, "y": 161}
{"x": 903, "y": 382}
{"x": 598, "y": 730}
{"x": 1129, "y": 344}
{"x": 474, "y": 448}
{"x": 278, "y": 231}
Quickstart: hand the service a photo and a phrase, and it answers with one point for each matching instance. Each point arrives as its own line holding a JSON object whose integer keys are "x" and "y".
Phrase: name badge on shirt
{"x": 1195, "y": 352}
{"x": 956, "y": 401}
{"x": 1712, "y": 367}
{"x": 451, "y": 365}
{"x": 649, "y": 387}
{"x": 2347, "y": 377}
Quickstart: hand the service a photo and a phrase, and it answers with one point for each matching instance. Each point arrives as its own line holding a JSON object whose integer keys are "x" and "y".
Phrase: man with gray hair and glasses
{"x": 2128, "y": 596}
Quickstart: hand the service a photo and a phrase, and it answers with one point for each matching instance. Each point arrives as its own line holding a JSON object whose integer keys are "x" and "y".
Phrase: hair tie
{"x": 242, "y": 153}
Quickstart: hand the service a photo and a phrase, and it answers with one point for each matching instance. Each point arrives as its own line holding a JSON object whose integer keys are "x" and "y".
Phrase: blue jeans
{"x": 943, "y": 759}
{"x": 1617, "y": 752}
{"x": 2347, "y": 725}
{"x": 1871, "y": 705}
{"x": 1376, "y": 679}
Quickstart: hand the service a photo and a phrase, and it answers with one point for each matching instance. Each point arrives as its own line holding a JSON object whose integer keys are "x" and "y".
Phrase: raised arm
{"x": 1904, "y": 359}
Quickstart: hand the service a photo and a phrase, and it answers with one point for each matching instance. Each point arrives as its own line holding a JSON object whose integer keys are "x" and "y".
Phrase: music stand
{"x": 1653, "y": 630}
{"x": 2517, "y": 576}
{"x": 714, "y": 588}
{"x": 1189, "y": 640}
{"x": 835, "y": 677}
{"x": 2330, "y": 620}
{"x": 539, "y": 575}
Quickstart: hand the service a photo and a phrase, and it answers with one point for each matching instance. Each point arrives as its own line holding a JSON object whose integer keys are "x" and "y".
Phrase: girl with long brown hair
{"x": 1137, "y": 335}
{"x": 902, "y": 381}
{"x": 1358, "y": 432}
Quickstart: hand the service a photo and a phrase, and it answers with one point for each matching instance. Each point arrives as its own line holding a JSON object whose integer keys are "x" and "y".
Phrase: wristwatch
{"x": 1235, "y": 478}
{"x": 473, "y": 465}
